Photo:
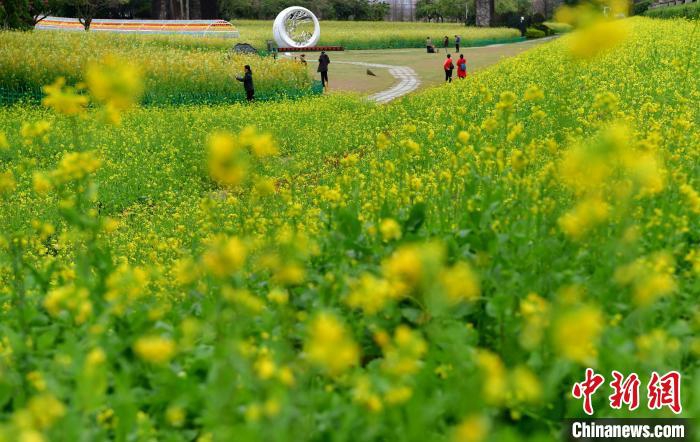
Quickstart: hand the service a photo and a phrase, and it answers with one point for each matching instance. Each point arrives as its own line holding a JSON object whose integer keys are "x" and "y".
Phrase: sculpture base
{"x": 312, "y": 49}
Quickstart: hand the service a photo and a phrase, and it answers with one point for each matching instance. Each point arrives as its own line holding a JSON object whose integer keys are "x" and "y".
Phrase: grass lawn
{"x": 354, "y": 78}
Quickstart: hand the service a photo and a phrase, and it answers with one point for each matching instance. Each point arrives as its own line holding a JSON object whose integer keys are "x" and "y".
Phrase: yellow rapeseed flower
{"x": 597, "y": 37}
{"x": 115, "y": 83}
{"x": 403, "y": 355}
{"x": 474, "y": 428}
{"x": 155, "y": 349}
{"x": 225, "y": 256}
{"x": 390, "y": 230}
{"x": 495, "y": 380}
{"x": 460, "y": 283}
{"x": 228, "y": 164}
{"x": 576, "y": 332}
{"x": 371, "y": 294}
{"x": 7, "y": 182}
{"x": 4, "y": 144}
{"x": 64, "y": 100}
{"x": 329, "y": 345}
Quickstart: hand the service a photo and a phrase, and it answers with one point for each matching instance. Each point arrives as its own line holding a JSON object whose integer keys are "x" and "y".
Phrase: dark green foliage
{"x": 324, "y": 9}
{"x": 639, "y": 8}
{"x": 534, "y": 33}
{"x": 14, "y": 14}
{"x": 688, "y": 10}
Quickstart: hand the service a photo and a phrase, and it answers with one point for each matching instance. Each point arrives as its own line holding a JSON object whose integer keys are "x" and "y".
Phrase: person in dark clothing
{"x": 446, "y": 42}
{"x": 323, "y": 62}
{"x": 449, "y": 67}
{"x": 247, "y": 80}
{"x": 458, "y": 41}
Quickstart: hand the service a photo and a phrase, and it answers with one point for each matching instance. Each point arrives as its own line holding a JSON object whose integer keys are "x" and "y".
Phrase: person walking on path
{"x": 458, "y": 40}
{"x": 247, "y": 80}
{"x": 446, "y": 42}
{"x": 449, "y": 67}
{"x": 302, "y": 59}
{"x": 461, "y": 67}
{"x": 323, "y": 62}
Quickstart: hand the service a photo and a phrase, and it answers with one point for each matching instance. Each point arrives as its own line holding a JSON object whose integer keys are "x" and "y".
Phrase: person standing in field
{"x": 323, "y": 62}
{"x": 247, "y": 80}
{"x": 449, "y": 67}
{"x": 458, "y": 40}
{"x": 302, "y": 59}
{"x": 461, "y": 67}
{"x": 446, "y": 42}
{"x": 429, "y": 45}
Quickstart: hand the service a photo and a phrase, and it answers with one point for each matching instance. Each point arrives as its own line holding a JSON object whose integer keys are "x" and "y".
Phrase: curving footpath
{"x": 407, "y": 80}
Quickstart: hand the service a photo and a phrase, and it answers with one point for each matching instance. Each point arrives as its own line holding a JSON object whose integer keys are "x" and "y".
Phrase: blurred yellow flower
{"x": 460, "y": 283}
{"x": 116, "y": 83}
{"x": 64, "y": 100}
{"x": 228, "y": 164}
{"x": 597, "y": 37}
{"x": 403, "y": 355}
{"x": 224, "y": 256}
{"x": 473, "y": 428}
{"x": 369, "y": 293}
{"x": 7, "y": 182}
{"x": 575, "y": 334}
{"x": 329, "y": 345}
{"x": 155, "y": 349}
{"x": 390, "y": 230}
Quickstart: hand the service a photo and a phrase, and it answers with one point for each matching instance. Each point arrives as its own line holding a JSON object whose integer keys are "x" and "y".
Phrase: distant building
{"x": 402, "y": 10}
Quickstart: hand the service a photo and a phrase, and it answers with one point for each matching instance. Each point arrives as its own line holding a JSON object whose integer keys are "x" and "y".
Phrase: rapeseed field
{"x": 441, "y": 268}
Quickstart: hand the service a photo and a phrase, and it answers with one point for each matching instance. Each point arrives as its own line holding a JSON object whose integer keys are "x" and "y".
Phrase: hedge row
{"x": 31, "y": 95}
{"x": 687, "y": 10}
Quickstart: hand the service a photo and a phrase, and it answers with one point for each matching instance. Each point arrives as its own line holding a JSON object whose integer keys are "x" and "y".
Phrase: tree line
{"x": 495, "y": 12}
{"x": 324, "y": 9}
{"x": 24, "y": 14}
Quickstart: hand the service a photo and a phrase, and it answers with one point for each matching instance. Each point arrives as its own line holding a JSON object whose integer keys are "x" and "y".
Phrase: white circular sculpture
{"x": 293, "y": 28}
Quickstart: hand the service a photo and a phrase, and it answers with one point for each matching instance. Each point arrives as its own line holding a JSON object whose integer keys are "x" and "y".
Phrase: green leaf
{"x": 416, "y": 218}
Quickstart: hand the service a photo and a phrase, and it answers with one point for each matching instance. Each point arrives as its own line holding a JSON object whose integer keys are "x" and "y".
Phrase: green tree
{"x": 14, "y": 14}
{"x": 40, "y": 9}
{"x": 451, "y": 9}
{"x": 428, "y": 10}
{"x": 267, "y": 9}
{"x": 522, "y": 7}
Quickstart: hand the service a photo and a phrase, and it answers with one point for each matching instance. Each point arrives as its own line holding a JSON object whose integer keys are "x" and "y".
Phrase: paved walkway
{"x": 407, "y": 80}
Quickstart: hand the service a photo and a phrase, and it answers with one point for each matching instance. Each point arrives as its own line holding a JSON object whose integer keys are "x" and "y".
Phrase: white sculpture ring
{"x": 285, "y": 28}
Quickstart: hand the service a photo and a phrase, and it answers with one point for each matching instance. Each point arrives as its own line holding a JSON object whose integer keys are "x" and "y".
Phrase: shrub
{"x": 534, "y": 33}
{"x": 641, "y": 7}
{"x": 558, "y": 28}
{"x": 544, "y": 28}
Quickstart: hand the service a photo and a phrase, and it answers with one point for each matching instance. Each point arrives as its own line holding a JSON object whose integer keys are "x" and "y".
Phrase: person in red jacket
{"x": 461, "y": 67}
{"x": 449, "y": 67}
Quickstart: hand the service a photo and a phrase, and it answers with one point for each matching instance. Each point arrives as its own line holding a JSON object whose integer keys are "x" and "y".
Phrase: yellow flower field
{"x": 174, "y": 71}
{"x": 441, "y": 268}
{"x": 382, "y": 35}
